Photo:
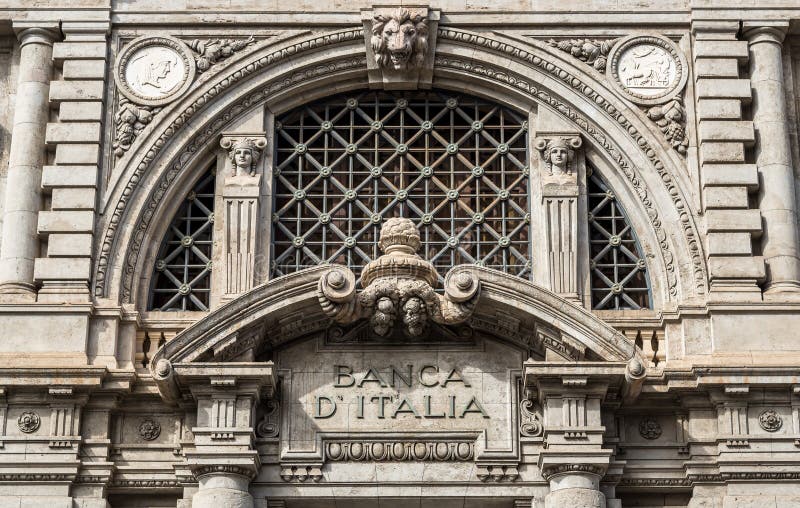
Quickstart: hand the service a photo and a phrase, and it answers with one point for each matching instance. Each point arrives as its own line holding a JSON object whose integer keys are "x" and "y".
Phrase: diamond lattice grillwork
{"x": 619, "y": 276}
{"x": 182, "y": 276}
{"x": 456, "y": 165}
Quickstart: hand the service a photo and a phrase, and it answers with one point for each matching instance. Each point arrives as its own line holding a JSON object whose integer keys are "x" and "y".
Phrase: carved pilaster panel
{"x": 562, "y": 206}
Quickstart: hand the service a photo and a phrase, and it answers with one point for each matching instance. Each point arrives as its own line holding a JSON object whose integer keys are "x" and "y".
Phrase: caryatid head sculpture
{"x": 558, "y": 154}
{"x": 244, "y": 153}
{"x": 400, "y": 40}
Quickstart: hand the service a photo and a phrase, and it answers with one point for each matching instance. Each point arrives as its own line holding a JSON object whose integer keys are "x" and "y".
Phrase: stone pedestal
{"x": 20, "y": 240}
{"x": 773, "y": 158}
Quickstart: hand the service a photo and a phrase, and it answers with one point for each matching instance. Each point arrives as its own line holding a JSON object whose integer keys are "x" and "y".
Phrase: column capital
{"x": 37, "y": 32}
{"x": 765, "y": 31}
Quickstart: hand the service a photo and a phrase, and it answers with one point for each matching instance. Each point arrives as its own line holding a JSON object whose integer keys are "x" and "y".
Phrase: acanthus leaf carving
{"x": 398, "y": 287}
{"x": 591, "y": 51}
{"x": 209, "y": 52}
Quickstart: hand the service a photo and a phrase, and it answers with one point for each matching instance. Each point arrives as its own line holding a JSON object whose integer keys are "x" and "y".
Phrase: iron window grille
{"x": 618, "y": 270}
{"x": 182, "y": 274}
{"x": 455, "y": 164}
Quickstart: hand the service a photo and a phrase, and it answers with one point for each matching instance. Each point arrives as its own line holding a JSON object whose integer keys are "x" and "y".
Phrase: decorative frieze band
{"x": 399, "y": 451}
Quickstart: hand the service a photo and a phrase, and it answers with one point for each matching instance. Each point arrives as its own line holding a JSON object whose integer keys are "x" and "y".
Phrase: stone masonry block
{"x": 719, "y": 109}
{"x": 712, "y": 151}
{"x": 67, "y": 154}
{"x": 712, "y": 68}
{"x": 736, "y": 267}
{"x": 723, "y": 88}
{"x": 730, "y": 174}
{"x": 76, "y": 199}
{"x": 62, "y": 269}
{"x": 66, "y": 221}
{"x": 80, "y": 111}
{"x": 72, "y": 132}
{"x": 730, "y": 49}
{"x": 727, "y": 244}
{"x": 69, "y": 176}
{"x": 79, "y": 50}
{"x": 66, "y": 245}
{"x": 733, "y": 220}
{"x": 76, "y": 91}
{"x": 715, "y": 197}
{"x": 84, "y": 69}
{"x": 727, "y": 130}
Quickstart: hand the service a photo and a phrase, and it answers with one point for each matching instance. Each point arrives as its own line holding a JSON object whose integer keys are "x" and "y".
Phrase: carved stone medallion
{"x": 28, "y": 422}
{"x": 154, "y": 71}
{"x": 650, "y": 428}
{"x": 149, "y": 429}
{"x": 647, "y": 69}
{"x": 770, "y": 420}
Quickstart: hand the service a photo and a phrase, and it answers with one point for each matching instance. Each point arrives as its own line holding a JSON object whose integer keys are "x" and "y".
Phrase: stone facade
{"x": 229, "y": 364}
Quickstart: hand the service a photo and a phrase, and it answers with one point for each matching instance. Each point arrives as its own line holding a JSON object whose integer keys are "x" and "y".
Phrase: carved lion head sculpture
{"x": 400, "y": 41}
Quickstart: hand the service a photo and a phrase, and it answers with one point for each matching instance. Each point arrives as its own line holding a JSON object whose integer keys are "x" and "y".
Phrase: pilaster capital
{"x": 37, "y": 32}
{"x": 765, "y": 31}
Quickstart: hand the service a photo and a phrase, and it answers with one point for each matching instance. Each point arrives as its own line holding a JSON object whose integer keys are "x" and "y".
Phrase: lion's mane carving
{"x": 400, "y": 40}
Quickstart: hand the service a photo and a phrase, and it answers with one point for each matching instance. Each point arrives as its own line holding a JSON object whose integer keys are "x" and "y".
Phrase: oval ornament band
{"x": 154, "y": 71}
{"x": 647, "y": 69}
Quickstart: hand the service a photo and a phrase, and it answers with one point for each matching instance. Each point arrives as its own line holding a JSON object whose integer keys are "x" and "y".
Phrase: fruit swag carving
{"x": 398, "y": 286}
{"x": 400, "y": 40}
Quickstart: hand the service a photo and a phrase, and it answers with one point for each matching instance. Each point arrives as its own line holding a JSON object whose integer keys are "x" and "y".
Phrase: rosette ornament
{"x": 398, "y": 288}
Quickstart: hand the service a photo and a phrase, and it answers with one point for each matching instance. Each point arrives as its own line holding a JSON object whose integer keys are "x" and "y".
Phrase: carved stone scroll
{"x": 398, "y": 288}
{"x": 400, "y": 46}
{"x": 240, "y": 208}
{"x": 560, "y": 191}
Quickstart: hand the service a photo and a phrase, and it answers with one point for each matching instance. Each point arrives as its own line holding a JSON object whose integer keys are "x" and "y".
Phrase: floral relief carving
{"x": 590, "y": 51}
{"x": 400, "y": 40}
{"x": 212, "y": 51}
{"x": 649, "y": 428}
{"x": 28, "y": 422}
{"x": 129, "y": 120}
{"x": 149, "y": 429}
{"x": 398, "y": 288}
{"x": 770, "y": 420}
{"x": 671, "y": 119}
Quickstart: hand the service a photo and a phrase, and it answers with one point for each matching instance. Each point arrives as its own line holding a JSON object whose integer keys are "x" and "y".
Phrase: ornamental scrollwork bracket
{"x": 398, "y": 287}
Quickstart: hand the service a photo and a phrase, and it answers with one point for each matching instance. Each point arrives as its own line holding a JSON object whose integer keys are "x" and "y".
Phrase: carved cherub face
{"x": 400, "y": 41}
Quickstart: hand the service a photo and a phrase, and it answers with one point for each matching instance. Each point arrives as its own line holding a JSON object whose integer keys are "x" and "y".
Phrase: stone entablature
{"x": 493, "y": 389}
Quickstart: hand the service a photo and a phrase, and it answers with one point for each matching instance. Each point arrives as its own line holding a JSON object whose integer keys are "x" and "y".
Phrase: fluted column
{"x": 26, "y": 157}
{"x": 773, "y": 159}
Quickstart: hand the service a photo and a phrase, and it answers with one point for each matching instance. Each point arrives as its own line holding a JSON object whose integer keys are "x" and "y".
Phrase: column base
{"x": 17, "y": 292}
{"x": 783, "y": 291}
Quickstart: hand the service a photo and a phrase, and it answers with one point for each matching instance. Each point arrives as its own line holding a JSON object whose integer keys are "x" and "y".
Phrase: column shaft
{"x": 26, "y": 157}
{"x": 773, "y": 159}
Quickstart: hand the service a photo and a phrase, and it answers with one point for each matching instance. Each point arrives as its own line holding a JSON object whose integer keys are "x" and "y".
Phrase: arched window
{"x": 455, "y": 164}
{"x": 618, "y": 268}
{"x": 182, "y": 275}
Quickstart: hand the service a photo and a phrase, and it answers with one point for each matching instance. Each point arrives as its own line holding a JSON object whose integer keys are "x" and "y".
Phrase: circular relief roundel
{"x": 647, "y": 69}
{"x": 154, "y": 71}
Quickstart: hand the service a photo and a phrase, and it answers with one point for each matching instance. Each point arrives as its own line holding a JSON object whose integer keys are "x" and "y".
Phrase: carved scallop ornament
{"x": 154, "y": 71}
{"x": 647, "y": 69}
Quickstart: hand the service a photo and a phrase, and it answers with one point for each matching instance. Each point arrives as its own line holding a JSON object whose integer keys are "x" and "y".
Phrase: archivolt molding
{"x": 350, "y": 59}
